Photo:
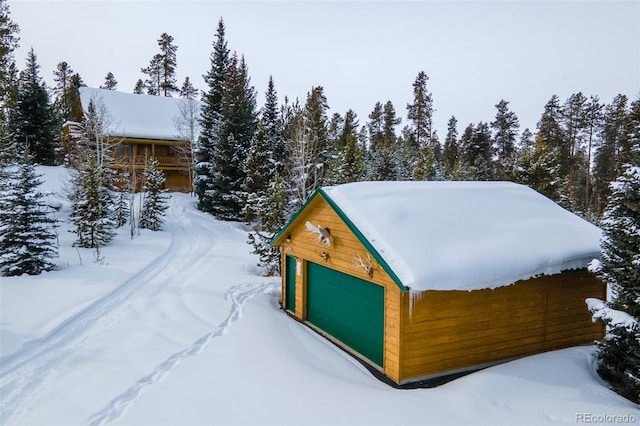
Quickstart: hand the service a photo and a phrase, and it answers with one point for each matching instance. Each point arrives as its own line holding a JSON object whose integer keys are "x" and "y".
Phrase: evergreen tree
{"x": 91, "y": 205}
{"x": 237, "y": 128}
{"x": 607, "y": 161}
{"x": 619, "y": 352}
{"x": 8, "y": 41}
{"x": 375, "y": 127}
{"x": 420, "y": 112}
{"x": 8, "y": 88}
{"x": 259, "y": 171}
{"x": 350, "y": 165}
{"x": 110, "y": 82}
{"x": 272, "y": 217}
{"x": 211, "y": 123}
{"x": 187, "y": 90}
{"x": 385, "y": 151}
{"x": 27, "y": 236}
{"x": 154, "y": 73}
{"x": 273, "y": 126}
{"x": 34, "y": 120}
{"x": 168, "y": 84}
{"x": 138, "y": 89}
{"x": 155, "y": 202}
{"x": 121, "y": 211}
{"x": 552, "y": 148}
{"x": 573, "y": 119}
{"x": 451, "y": 150}
{"x": 505, "y": 129}
{"x": 477, "y": 152}
{"x": 593, "y": 119}
{"x": 66, "y": 97}
{"x": 537, "y": 167}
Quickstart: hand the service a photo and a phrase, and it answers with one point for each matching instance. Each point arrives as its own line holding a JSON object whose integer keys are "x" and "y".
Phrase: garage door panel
{"x": 348, "y": 308}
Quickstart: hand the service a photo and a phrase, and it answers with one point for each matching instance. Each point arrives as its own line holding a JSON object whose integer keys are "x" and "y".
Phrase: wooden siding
{"x": 451, "y": 330}
{"x": 340, "y": 255}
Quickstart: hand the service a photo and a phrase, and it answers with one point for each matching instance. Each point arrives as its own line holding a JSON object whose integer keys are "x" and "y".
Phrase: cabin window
{"x": 124, "y": 150}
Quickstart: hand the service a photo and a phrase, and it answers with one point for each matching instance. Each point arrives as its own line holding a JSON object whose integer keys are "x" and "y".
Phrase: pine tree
{"x": 274, "y": 127}
{"x": 168, "y": 84}
{"x": 350, "y": 165}
{"x": 110, "y": 82}
{"x": 155, "y": 202}
{"x": 385, "y": 150}
{"x": 8, "y": 88}
{"x": 451, "y": 150}
{"x": 607, "y": 161}
{"x": 477, "y": 152}
{"x": 375, "y": 127}
{"x": 259, "y": 172}
{"x": 34, "y": 119}
{"x": 91, "y": 205}
{"x": 272, "y": 217}
{"x": 154, "y": 75}
{"x": 211, "y": 124}
{"x": 619, "y": 352}
{"x": 66, "y": 97}
{"x": 187, "y": 90}
{"x": 138, "y": 89}
{"x": 505, "y": 129}
{"x": 420, "y": 112}
{"x": 28, "y": 241}
{"x": 237, "y": 128}
{"x": 593, "y": 120}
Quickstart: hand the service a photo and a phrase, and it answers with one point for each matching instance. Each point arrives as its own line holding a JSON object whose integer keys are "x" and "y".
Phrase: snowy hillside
{"x": 178, "y": 327}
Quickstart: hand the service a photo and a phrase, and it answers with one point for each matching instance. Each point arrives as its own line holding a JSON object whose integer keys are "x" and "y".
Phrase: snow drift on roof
{"x": 136, "y": 116}
{"x": 466, "y": 235}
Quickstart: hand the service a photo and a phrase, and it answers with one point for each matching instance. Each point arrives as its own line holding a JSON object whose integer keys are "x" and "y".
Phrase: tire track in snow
{"x": 26, "y": 372}
{"x": 238, "y": 295}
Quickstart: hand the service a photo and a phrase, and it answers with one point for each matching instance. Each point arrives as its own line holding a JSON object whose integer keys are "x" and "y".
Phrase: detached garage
{"x": 424, "y": 279}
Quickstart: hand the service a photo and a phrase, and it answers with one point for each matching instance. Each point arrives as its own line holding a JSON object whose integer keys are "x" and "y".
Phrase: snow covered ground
{"x": 178, "y": 327}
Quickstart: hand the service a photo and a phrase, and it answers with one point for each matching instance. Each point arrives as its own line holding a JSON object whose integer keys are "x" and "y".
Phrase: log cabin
{"x": 422, "y": 280}
{"x": 138, "y": 127}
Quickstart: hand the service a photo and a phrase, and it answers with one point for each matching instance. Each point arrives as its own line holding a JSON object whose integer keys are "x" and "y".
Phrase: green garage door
{"x": 348, "y": 308}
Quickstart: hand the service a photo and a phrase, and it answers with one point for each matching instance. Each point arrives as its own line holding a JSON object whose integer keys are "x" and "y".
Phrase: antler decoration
{"x": 323, "y": 235}
{"x": 366, "y": 266}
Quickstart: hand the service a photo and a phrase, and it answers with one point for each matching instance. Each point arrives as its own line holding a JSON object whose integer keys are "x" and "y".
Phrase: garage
{"x": 347, "y": 308}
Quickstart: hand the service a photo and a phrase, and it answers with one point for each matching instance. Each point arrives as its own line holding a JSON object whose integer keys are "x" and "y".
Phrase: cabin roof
{"x": 463, "y": 235}
{"x": 136, "y": 116}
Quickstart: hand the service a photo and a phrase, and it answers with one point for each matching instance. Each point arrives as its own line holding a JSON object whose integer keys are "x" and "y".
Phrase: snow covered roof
{"x": 465, "y": 235}
{"x": 136, "y": 116}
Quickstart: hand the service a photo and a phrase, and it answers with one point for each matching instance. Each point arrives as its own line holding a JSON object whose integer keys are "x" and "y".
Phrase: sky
{"x": 361, "y": 52}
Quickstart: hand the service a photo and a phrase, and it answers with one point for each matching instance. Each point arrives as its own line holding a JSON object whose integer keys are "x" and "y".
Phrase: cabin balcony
{"x": 139, "y": 162}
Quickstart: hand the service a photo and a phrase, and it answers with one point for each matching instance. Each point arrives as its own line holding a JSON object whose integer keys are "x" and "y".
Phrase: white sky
{"x": 475, "y": 53}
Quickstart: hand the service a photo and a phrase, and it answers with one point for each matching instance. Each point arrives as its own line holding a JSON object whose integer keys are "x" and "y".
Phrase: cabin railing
{"x": 141, "y": 160}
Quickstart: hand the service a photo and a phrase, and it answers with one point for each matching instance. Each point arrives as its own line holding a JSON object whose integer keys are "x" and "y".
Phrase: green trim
{"x": 365, "y": 242}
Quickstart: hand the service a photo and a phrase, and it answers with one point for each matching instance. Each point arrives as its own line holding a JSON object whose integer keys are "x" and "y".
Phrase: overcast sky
{"x": 475, "y": 53}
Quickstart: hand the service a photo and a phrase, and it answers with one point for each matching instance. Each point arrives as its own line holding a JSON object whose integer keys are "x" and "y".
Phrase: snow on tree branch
{"x": 602, "y": 312}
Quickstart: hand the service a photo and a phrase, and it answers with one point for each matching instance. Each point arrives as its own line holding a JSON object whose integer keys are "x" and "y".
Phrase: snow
{"x": 178, "y": 327}
{"x": 136, "y": 116}
{"x": 601, "y": 311}
{"x": 466, "y": 235}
